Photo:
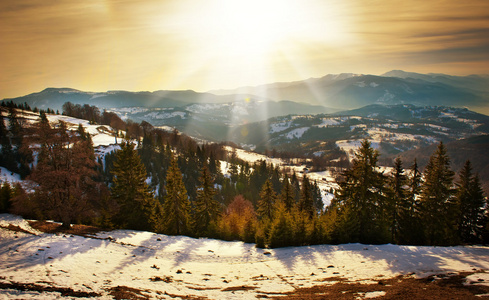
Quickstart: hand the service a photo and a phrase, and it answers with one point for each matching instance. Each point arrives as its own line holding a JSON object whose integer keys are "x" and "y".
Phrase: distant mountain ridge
{"x": 55, "y": 97}
{"x": 333, "y": 91}
{"x": 349, "y": 91}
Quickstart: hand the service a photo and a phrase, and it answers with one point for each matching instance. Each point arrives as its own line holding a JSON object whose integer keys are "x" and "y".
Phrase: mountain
{"x": 212, "y": 121}
{"x": 476, "y": 83}
{"x": 54, "y": 98}
{"x": 340, "y": 91}
{"x": 347, "y": 91}
{"x": 393, "y": 129}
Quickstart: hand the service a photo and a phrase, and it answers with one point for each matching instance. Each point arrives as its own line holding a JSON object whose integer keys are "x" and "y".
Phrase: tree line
{"x": 167, "y": 183}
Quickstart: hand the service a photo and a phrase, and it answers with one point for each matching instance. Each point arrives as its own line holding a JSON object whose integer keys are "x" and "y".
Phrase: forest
{"x": 168, "y": 183}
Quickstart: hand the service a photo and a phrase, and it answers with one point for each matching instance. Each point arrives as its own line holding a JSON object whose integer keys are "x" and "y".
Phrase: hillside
{"x": 126, "y": 264}
{"x": 473, "y": 148}
{"x": 394, "y": 128}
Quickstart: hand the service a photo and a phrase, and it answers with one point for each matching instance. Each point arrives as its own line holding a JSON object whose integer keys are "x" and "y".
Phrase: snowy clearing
{"x": 178, "y": 265}
{"x": 296, "y": 133}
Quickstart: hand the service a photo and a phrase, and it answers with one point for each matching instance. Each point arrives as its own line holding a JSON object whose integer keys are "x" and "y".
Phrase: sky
{"x": 101, "y": 45}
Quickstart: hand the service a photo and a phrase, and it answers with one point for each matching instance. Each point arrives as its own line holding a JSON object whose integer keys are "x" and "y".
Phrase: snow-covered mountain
{"x": 394, "y": 128}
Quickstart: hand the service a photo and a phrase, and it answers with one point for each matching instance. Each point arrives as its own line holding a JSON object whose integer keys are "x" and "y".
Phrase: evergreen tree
{"x": 267, "y": 201}
{"x": 5, "y": 197}
{"x": 288, "y": 194}
{"x": 6, "y": 153}
{"x": 306, "y": 202}
{"x": 282, "y": 230}
{"x": 317, "y": 197}
{"x": 207, "y": 209}
{"x": 176, "y": 207}
{"x": 411, "y": 231}
{"x": 360, "y": 199}
{"x": 438, "y": 214}
{"x": 471, "y": 204}
{"x": 137, "y": 207}
{"x": 397, "y": 198}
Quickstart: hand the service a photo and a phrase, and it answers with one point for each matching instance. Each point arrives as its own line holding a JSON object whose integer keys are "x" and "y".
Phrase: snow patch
{"x": 296, "y": 133}
{"x": 279, "y": 127}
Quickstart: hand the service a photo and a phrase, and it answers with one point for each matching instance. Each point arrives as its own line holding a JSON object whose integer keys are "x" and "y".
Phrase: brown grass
{"x": 402, "y": 287}
{"x": 50, "y": 227}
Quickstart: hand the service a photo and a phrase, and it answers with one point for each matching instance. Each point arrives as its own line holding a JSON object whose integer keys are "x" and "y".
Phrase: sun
{"x": 250, "y": 28}
{"x": 230, "y": 43}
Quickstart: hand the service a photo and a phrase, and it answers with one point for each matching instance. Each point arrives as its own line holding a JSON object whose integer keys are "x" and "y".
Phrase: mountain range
{"x": 348, "y": 91}
{"x": 332, "y": 92}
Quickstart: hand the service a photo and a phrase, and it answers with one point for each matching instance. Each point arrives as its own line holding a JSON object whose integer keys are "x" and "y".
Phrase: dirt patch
{"x": 401, "y": 287}
{"x": 50, "y": 227}
{"x": 15, "y": 228}
{"x": 124, "y": 292}
{"x": 239, "y": 288}
{"x": 65, "y": 292}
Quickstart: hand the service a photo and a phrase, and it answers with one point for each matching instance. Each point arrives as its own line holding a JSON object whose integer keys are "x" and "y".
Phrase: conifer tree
{"x": 306, "y": 202}
{"x": 471, "y": 205}
{"x": 5, "y": 197}
{"x": 207, "y": 209}
{"x": 288, "y": 194}
{"x": 437, "y": 203}
{"x": 137, "y": 207}
{"x": 282, "y": 230}
{"x": 267, "y": 200}
{"x": 411, "y": 231}
{"x": 317, "y": 197}
{"x": 176, "y": 207}
{"x": 360, "y": 199}
{"x": 396, "y": 199}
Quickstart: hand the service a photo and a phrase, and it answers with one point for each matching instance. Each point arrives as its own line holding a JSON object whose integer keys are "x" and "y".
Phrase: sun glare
{"x": 228, "y": 43}
{"x": 251, "y": 27}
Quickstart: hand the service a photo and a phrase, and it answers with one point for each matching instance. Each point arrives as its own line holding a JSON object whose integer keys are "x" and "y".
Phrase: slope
{"x": 145, "y": 264}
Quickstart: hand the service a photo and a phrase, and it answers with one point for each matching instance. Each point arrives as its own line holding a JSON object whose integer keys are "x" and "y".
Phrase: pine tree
{"x": 176, "y": 207}
{"x": 207, "y": 209}
{"x": 411, "y": 231}
{"x": 396, "y": 199}
{"x": 360, "y": 199}
{"x": 438, "y": 210}
{"x": 5, "y": 197}
{"x": 267, "y": 200}
{"x": 317, "y": 197}
{"x": 282, "y": 230}
{"x": 137, "y": 207}
{"x": 471, "y": 205}
{"x": 288, "y": 194}
{"x": 306, "y": 202}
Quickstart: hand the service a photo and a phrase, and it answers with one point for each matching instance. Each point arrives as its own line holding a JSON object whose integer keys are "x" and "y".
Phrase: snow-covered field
{"x": 177, "y": 265}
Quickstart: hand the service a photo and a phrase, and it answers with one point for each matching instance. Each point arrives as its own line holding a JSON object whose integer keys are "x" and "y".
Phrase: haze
{"x": 100, "y": 45}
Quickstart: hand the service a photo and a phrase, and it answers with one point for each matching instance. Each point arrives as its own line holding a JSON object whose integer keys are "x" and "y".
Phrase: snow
{"x": 279, "y": 127}
{"x": 348, "y": 145}
{"x": 296, "y": 133}
{"x": 331, "y": 122}
{"x": 252, "y": 156}
{"x": 103, "y": 140}
{"x": 165, "y": 115}
{"x": 374, "y": 294}
{"x": 206, "y": 267}
{"x": 7, "y": 176}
